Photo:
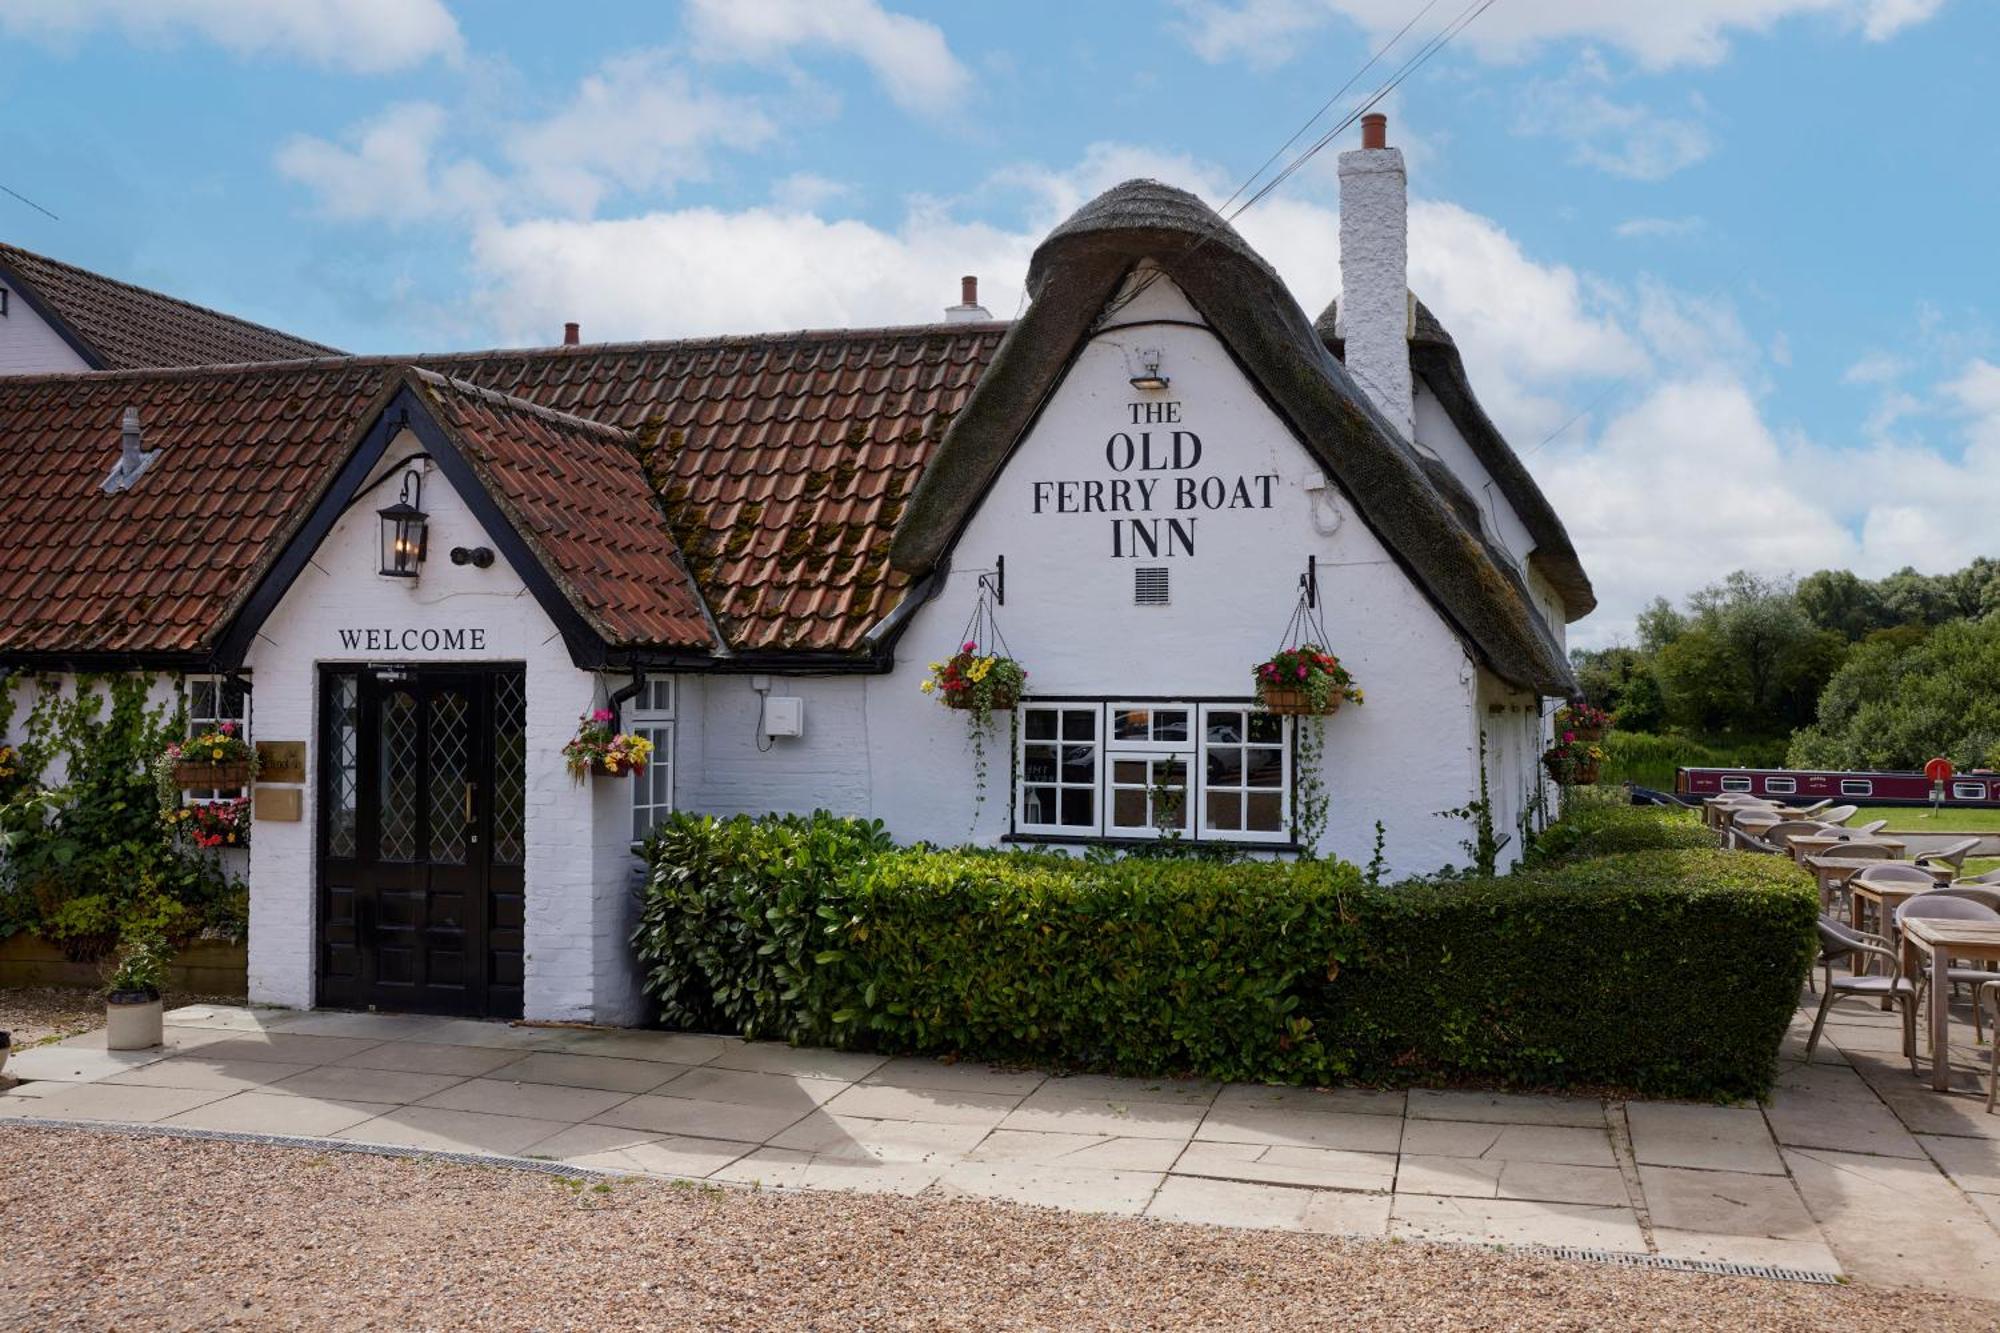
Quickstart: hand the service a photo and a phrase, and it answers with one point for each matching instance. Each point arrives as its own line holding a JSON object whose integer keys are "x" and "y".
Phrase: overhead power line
{"x": 30, "y": 203}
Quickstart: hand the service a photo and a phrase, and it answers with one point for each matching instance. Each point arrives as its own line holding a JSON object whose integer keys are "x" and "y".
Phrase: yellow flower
{"x": 217, "y": 754}
{"x": 928, "y": 686}
{"x": 937, "y": 666}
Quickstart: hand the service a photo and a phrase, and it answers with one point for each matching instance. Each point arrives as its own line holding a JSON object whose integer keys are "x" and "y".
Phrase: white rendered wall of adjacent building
{"x": 1404, "y": 755}
{"x": 579, "y": 867}
{"x": 28, "y": 345}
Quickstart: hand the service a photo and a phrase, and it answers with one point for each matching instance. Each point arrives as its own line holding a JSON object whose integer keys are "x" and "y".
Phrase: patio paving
{"x": 1855, "y": 1167}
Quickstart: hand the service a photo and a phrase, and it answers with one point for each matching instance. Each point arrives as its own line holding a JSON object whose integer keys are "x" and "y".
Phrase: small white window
{"x": 212, "y": 701}
{"x": 1057, "y": 792}
{"x": 1856, "y": 787}
{"x": 1149, "y": 759}
{"x": 1968, "y": 791}
{"x": 1781, "y": 786}
{"x": 651, "y": 714}
{"x": 1736, "y": 784}
{"x": 1246, "y": 786}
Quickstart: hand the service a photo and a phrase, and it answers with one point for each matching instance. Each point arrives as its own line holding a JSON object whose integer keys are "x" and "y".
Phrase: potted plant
{"x": 216, "y": 758}
{"x": 977, "y": 683}
{"x": 1583, "y": 722}
{"x": 600, "y": 749}
{"x": 1305, "y": 681}
{"x": 1573, "y": 762}
{"x": 132, "y": 1009}
{"x": 213, "y": 825}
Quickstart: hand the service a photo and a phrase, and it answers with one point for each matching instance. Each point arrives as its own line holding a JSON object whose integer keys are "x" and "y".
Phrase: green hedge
{"x": 1600, "y": 829}
{"x": 1671, "y": 972}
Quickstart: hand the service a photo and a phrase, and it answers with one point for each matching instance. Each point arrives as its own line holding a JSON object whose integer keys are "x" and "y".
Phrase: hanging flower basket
{"x": 970, "y": 681}
{"x": 211, "y": 759}
{"x": 1306, "y": 681}
{"x": 1000, "y": 699}
{"x": 1581, "y": 722}
{"x": 201, "y": 776}
{"x": 1294, "y": 703}
{"x": 1573, "y": 763}
{"x": 599, "y": 751}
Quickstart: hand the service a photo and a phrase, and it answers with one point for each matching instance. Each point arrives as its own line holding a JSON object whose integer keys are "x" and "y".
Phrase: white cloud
{"x": 1682, "y": 32}
{"x": 365, "y": 36}
{"x": 809, "y": 192}
{"x": 1622, "y": 138}
{"x": 909, "y": 57}
{"x": 1658, "y": 228}
{"x": 387, "y": 169}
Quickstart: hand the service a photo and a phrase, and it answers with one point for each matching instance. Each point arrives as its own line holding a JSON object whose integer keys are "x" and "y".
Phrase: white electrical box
{"x": 784, "y": 716}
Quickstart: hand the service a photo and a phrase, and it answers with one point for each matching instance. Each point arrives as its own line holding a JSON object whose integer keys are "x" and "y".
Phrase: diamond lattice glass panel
{"x": 397, "y": 779}
{"x": 510, "y": 769}
{"x": 343, "y": 782}
{"x": 451, "y": 762}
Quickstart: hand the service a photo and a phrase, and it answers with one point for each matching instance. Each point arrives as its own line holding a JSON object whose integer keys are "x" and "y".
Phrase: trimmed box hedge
{"x": 1601, "y": 829}
{"x": 1672, "y": 973}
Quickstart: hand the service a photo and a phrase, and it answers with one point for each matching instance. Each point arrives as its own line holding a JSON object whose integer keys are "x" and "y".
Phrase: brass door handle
{"x": 468, "y": 800}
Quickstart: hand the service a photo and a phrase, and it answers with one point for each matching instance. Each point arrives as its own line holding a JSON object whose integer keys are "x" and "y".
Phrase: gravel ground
{"x": 108, "y": 1230}
{"x": 37, "y": 1013}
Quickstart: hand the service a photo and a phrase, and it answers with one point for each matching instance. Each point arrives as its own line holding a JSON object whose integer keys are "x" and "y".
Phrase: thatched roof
{"x": 1078, "y": 270}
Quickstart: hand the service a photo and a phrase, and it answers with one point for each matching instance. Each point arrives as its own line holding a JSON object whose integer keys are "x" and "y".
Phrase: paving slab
{"x": 1340, "y": 1129}
{"x": 1278, "y": 1164}
{"x": 439, "y": 1130}
{"x": 1959, "y": 1113}
{"x": 232, "y": 1018}
{"x": 110, "y": 1101}
{"x": 79, "y": 1064}
{"x": 1565, "y": 1144}
{"x": 1495, "y": 1178}
{"x": 1353, "y": 1101}
{"x": 1897, "y": 1222}
{"x": 586, "y": 1071}
{"x": 962, "y": 1076}
{"x": 796, "y": 1093}
{"x": 1828, "y": 1106}
{"x": 484, "y": 1032}
{"x": 173, "y": 1040}
{"x": 265, "y": 1113}
{"x": 678, "y": 1048}
{"x": 1972, "y": 1164}
{"x": 1811, "y": 1256}
{"x": 699, "y": 1119}
{"x": 1715, "y": 1138}
{"x": 425, "y": 1057}
{"x": 1062, "y": 1113}
{"x": 609, "y": 1148}
{"x": 197, "y": 1071}
{"x": 767, "y": 1057}
{"x": 1730, "y": 1203}
{"x": 784, "y": 1168}
{"x": 395, "y": 1086}
{"x": 381, "y": 1027}
{"x": 1506, "y": 1108}
{"x": 1110, "y": 1088}
{"x": 1234, "y": 1203}
{"x": 1105, "y": 1152}
{"x": 1515, "y": 1222}
{"x": 1080, "y": 1189}
{"x": 885, "y": 1102}
{"x": 879, "y": 1140}
{"x": 537, "y": 1101}
{"x": 295, "y": 1048}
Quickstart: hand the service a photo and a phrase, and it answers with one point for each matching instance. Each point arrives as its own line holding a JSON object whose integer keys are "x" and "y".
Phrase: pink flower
{"x": 1302, "y": 672}
{"x": 601, "y": 715}
{"x": 1569, "y": 737}
{"x": 229, "y": 728}
{"x": 969, "y": 646}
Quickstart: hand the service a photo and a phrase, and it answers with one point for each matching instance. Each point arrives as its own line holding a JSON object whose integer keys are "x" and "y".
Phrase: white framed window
{"x": 1246, "y": 790}
{"x": 212, "y": 701}
{"x": 1115, "y": 769}
{"x": 1059, "y": 769}
{"x": 651, "y": 716}
{"x": 1736, "y": 784}
{"x": 1781, "y": 786}
{"x": 1968, "y": 791}
{"x": 1856, "y": 787}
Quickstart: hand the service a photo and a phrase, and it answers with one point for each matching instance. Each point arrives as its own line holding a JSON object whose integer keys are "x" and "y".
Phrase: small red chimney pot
{"x": 968, "y": 290}
{"x": 1374, "y": 130}
{"x": 572, "y": 333}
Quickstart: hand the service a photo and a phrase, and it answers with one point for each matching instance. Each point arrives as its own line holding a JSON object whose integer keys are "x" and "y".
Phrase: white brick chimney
{"x": 1375, "y": 308}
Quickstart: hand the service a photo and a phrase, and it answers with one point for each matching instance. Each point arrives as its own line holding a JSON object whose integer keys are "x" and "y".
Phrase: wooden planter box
{"x": 196, "y": 776}
{"x": 1004, "y": 700}
{"x": 205, "y": 967}
{"x": 1295, "y": 703}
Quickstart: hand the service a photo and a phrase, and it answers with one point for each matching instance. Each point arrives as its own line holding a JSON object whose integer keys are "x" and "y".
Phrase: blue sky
{"x": 1732, "y": 255}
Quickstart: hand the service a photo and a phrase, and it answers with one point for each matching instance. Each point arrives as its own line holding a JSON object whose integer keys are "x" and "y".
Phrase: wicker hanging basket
{"x": 1004, "y": 698}
{"x": 198, "y": 776}
{"x": 1582, "y": 774}
{"x": 1295, "y": 703}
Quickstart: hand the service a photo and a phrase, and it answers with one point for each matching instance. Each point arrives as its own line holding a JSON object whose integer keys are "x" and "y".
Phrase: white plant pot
{"x": 132, "y": 1026}
{"x": 6, "y": 1049}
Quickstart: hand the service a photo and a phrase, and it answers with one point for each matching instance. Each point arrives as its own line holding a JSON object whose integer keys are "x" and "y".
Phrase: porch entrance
{"x": 422, "y": 820}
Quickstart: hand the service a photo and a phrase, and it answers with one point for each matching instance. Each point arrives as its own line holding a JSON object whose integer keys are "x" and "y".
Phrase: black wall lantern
{"x": 403, "y": 530}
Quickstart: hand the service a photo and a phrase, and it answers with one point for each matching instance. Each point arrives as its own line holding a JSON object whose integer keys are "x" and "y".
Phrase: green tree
{"x": 1842, "y": 601}
{"x": 1894, "y": 704}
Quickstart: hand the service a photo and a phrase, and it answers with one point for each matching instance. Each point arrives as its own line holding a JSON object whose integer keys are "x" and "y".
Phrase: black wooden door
{"x": 422, "y": 839}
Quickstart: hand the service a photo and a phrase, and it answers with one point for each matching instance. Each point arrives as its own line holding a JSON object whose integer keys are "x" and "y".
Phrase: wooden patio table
{"x": 1828, "y": 844}
{"x": 1941, "y": 941}
{"x": 1886, "y": 897}
{"x": 1832, "y": 870}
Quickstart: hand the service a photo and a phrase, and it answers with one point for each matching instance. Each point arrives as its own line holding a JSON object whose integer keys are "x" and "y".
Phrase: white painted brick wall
{"x": 28, "y": 346}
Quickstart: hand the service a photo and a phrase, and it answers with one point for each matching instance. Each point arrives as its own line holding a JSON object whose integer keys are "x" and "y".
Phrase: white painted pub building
{"x": 751, "y": 549}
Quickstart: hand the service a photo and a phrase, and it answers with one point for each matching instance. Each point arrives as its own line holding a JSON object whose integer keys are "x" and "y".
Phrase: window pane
{"x": 1038, "y": 805}
{"x": 1041, "y": 724}
{"x": 201, "y": 700}
{"x": 1078, "y": 806}
{"x": 1079, "y": 763}
{"x": 1079, "y": 724}
{"x": 1267, "y": 768}
{"x": 1171, "y": 773}
{"x": 1170, "y": 725}
{"x": 1225, "y": 810}
{"x": 1038, "y": 763}
{"x": 1266, "y": 812}
{"x": 1224, "y": 728}
{"x": 1128, "y": 808}
{"x": 1130, "y": 772}
{"x": 1131, "y": 724}
{"x": 1225, "y": 766}
{"x": 1267, "y": 728}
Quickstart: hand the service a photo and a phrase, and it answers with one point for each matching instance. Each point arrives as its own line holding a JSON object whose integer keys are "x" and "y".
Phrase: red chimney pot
{"x": 1375, "y": 130}
{"x": 572, "y": 332}
{"x": 968, "y": 290}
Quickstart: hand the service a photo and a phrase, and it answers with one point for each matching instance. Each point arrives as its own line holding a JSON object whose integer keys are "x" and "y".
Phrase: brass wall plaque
{"x": 280, "y": 804}
{"x": 281, "y": 761}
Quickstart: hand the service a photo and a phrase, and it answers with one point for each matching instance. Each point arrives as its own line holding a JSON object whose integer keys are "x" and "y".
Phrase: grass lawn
{"x": 1919, "y": 819}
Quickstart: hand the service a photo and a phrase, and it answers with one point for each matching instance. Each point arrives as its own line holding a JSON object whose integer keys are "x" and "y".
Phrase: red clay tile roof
{"x": 780, "y": 463}
{"x": 575, "y": 492}
{"x": 126, "y": 327}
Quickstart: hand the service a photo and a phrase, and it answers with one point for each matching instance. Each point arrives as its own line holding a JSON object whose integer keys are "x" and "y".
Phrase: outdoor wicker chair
{"x": 1986, "y": 895}
{"x": 1953, "y": 855}
{"x": 1940, "y": 906}
{"x": 1841, "y": 942}
{"x": 1871, "y": 828}
{"x": 1991, "y": 877}
{"x": 1866, "y": 851}
{"x": 1750, "y": 842}
{"x": 1839, "y": 814}
{"x": 1782, "y": 833}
